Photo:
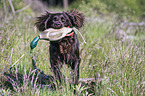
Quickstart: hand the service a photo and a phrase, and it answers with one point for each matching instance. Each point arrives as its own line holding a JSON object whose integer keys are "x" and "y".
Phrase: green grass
{"x": 119, "y": 67}
{"x": 133, "y": 10}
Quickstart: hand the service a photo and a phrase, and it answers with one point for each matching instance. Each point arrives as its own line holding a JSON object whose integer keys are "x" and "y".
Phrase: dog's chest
{"x": 66, "y": 45}
{"x": 63, "y": 46}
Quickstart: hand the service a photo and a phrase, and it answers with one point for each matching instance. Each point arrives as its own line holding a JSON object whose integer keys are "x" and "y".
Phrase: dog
{"x": 65, "y": 50}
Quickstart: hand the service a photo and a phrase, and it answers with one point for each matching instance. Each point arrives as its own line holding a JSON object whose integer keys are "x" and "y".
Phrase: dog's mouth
{"x": 57, "y": 26}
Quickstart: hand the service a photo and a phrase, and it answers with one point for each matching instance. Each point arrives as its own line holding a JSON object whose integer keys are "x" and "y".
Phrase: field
{"x": 114, "y": 53}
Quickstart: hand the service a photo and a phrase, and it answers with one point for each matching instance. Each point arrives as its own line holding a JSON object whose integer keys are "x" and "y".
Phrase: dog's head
{"x": 58, "y": 20}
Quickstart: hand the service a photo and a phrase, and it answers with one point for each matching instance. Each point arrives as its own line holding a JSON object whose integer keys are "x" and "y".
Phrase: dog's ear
{"x": 76, "y": 17}
{"x": 42, "y": 21}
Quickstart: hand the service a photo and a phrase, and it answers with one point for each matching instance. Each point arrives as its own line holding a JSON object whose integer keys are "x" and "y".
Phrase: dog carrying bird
{"x": 64, "y": 50}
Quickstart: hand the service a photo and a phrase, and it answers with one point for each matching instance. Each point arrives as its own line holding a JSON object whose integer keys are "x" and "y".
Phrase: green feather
{"x": 34, "y": 42}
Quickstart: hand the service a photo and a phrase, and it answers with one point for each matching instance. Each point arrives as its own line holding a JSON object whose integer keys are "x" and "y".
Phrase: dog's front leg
{"x": 75, "y": 72}
{"x": 56, "y": 66}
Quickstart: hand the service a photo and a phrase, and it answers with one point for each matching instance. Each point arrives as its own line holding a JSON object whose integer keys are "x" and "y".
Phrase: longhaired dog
{"x": 65, "y": 50}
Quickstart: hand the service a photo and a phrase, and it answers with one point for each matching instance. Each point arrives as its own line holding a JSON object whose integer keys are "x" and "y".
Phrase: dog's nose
{"x": 58, "y": 25}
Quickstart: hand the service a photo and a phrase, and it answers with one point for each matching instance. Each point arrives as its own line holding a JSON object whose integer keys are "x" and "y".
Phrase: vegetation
{"x": 118, "y": 65}
{"x": 130, "y": 9}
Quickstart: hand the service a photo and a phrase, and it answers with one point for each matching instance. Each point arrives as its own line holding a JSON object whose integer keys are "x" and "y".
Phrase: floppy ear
{"x": 42, "y": 21}
{"x": 77, "y": 18}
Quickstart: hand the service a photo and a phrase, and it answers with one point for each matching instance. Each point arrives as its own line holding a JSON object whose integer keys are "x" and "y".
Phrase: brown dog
{"x": 65, "y": 50}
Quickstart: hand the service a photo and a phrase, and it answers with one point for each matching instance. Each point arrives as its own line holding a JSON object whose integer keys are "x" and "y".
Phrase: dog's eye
{"x": 55, "y": 18}
{"x": 62, "y": 19}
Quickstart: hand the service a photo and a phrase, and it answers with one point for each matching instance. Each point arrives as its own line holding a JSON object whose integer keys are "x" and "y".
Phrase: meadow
{"x": 116, "y": 63}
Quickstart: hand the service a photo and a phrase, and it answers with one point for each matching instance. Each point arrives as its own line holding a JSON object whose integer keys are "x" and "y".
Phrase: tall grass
{"x": 118, "y": 67}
